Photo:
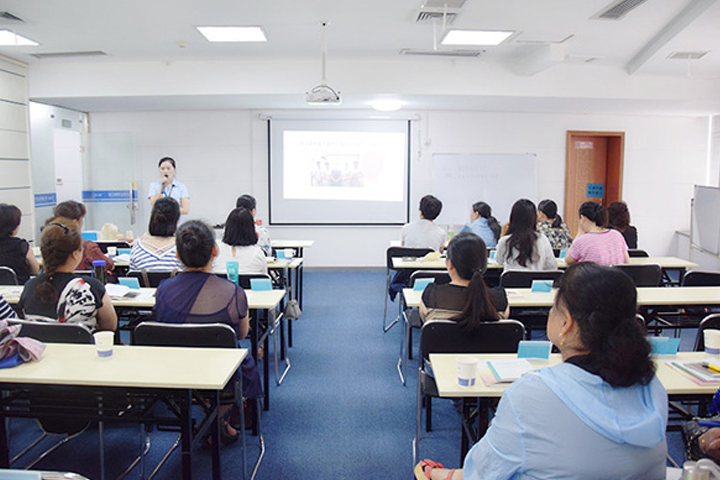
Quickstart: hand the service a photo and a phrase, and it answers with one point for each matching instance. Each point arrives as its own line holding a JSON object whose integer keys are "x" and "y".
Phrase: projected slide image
{"x": 343, "y": 165}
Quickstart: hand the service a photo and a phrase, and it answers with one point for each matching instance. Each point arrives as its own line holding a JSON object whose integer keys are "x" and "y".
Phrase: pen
{"x": 709, "y": 423}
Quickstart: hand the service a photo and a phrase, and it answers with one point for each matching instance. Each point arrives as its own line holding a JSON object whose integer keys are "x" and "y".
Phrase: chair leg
{"x": 428, "y": 413}
{"x": 418, "y": 419}
{"x": 387, "y": 285}
{"x": 261, "y": 440}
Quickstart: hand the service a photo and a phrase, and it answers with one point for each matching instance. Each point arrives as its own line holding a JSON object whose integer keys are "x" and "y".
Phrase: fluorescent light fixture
{"x": 386, "y": 105}
{"x": 8, "y": 38}
{"x": 475, "y": 37}
{"x": 233, "y": 34}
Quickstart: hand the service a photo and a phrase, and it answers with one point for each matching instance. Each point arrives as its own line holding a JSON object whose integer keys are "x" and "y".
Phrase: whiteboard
{"x": 499, "y": 180}
{"x": 705, "y": 231}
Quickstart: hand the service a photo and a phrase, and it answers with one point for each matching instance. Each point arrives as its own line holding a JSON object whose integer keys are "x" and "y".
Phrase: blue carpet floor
{"x": 341, "y": 413}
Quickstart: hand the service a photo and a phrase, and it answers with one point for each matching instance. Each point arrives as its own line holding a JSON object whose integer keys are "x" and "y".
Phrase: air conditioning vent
{"x": 7, "y": 17}
{"x": 442, "y": 53}
{"x": 688, "y": 55}
{"x": 440, "y": 4}
{"x": 93, "y": 53}
{"x": 617, "y": 10}
{"x": 430, "y": 16}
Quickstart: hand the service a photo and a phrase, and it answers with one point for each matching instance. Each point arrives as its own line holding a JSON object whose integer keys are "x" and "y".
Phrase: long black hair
{"x": 240, "y": 228}
{"x": 485, "y": 211}
{"x": 468, "y": 254}
{"x": 549, "y": 208}
{"x": 522, "y": 231}
{"x": 60, "y": 237}
{"x": 603, "y": 301}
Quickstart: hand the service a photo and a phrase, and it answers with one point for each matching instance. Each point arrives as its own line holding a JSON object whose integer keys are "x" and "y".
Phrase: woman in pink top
{"x": 594, "y": 242}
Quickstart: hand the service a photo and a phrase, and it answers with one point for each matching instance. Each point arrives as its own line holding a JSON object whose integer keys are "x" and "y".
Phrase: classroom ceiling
{"x": 548, "y": 33}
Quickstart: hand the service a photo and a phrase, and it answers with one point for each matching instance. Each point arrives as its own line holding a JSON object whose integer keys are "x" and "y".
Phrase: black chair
{"x": 643, "y": 275}
{"x": 105, "y": 244}
{"x": 637, "y": 253}
{"x": 394, "y": 252}
{"x": 412, "y": 320}
{"x": 200, "y": 335}
{"x": 151, "y": 278}
{"x": 524, "y": 278}
{"x": 54, "y": 332}
{"x": 446, "y": 336}
{"x": 707, "y": 323}
{"x": 699, "y": 278}
{"x": 8, "y": 276}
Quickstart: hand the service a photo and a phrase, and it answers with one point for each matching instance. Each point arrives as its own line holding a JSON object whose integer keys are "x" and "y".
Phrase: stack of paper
{"x": 706, "y": 371}
{"x": 507, "y": 371}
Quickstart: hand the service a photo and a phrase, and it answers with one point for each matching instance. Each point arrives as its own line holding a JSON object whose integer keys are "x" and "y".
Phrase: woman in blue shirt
{"x": 601, "y": 413}
{"x": 169, "y": 187}
{"x": 483, "y": 224}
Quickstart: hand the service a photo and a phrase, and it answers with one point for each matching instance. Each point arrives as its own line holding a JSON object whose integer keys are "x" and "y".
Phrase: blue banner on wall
{"x": 108, "y": 196}
{"x": 595, "y": 190}
{"x": 45, "y": 200}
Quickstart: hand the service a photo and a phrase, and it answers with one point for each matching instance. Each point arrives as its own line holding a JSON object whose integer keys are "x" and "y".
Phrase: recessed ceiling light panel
{"x": 12, "y": 39}
{"x": 386, "y": 104}
{"x": 233, "y": 34}
{"x": 476, "y": 37}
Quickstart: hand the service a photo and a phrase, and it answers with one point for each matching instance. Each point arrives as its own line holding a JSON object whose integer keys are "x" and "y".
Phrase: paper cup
{"x": 104, "y": 343}
{"x": 289, "y": 253}
{"x": 712, "y": 341}
{"x": 111, "y": 251}
{"x": 467, "y": 368}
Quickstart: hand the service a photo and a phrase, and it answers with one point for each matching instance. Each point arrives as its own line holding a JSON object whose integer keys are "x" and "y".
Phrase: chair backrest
{"x": 404, "y": 252}
{"x": 698, "y": 278}
{"x": 709, "y": 322}
{"x": 184, "y": 335}
{"x": 8, "y": 276}
{"x": 245, "y": 278}
{"x": 440, "y": 277}
{"x": 104, "y": 245}
{"x": 446, "y": 336}
{"x": 524, "y": 278}
{"x": 637, "y": 253}
{"x": 647, "y": 275}
{"x": 151, "y": 278}
{"x": 54, "y": 332}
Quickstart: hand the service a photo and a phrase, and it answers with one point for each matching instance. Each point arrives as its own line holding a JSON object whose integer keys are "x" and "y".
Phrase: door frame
{"x": 614, "y": 170}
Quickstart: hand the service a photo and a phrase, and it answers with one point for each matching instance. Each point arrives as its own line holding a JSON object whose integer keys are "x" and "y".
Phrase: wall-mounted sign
{"x": 583, "y": 145}
{"x": 595, "y": 190}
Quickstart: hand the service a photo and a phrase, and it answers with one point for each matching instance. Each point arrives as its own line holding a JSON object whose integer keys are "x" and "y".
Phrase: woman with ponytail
{"x": 552, "y": 226}
{"x": 523, "y": 248}
{"x": 58, "y": 294}
{"x": 466, "y": 298}
{"x": 199, "y": 296}
{"x": 156, "y": 249}
{"x": 483, "y": 224}
{"x": 601, "y": 413}
{"x": 595, "y": 242}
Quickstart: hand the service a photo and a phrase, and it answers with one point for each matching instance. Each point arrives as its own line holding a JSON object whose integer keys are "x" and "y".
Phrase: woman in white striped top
{"x": 6, "y": 310}
{"x": 156, "y": 249}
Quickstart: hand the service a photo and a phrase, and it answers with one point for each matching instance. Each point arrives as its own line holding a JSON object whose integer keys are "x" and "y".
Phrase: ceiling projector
{"x": 323, "y": 94}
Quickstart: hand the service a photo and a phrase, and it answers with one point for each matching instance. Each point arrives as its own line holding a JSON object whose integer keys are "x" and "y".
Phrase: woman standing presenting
{"x": 169, "y": 187}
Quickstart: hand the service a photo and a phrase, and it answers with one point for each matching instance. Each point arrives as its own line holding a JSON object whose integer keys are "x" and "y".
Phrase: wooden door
{"x": 593, "y": 171}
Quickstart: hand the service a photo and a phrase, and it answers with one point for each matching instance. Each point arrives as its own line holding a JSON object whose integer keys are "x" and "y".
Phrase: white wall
{"x": 15, "y": 181}
{"x": 222, "y": 154}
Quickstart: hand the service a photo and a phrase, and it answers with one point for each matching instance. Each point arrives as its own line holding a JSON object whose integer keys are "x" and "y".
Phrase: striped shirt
{"x": 6, "y": 310}
{"x": 605, "y": 248}
{"x": 145, "y": 256}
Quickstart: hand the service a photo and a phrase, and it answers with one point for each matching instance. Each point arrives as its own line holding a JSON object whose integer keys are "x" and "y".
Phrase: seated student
{"x": 523, "y": 248}
{"x": 594, "y": 242}
{"x": 600, "y": 414}
{"x": 199, "y": 296}
{"x": 15, "y": 252}
{"x": 466, "y": 298}
{"x": 155, "y": 250}
{"x": 551, "y": 225}
{"x": 619, "y": 219}
{"x": 240, "y": 243}
{"x": 249, "y": 203}
{"x": 423, "y": 233}
{"x": 483, "y": 224}
{"x": 58, "y": 294}
{"x": 91, "y": 252}
{"x": 6, "y": 311}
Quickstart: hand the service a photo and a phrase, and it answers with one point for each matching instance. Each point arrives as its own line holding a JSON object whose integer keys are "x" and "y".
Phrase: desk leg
{"x": 215, "y": 435}
{"x": 187, "y": 434}
{"x": 468, "y": 436}
{"x": 266, "y": 365}
{"x": 4, "y": 444}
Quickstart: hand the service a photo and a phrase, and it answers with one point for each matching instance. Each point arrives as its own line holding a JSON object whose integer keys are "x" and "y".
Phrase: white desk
{"x": 170, "y": 371}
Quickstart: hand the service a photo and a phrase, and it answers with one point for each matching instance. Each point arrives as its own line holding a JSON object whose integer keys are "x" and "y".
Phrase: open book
{"x": 509, "y": 370}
